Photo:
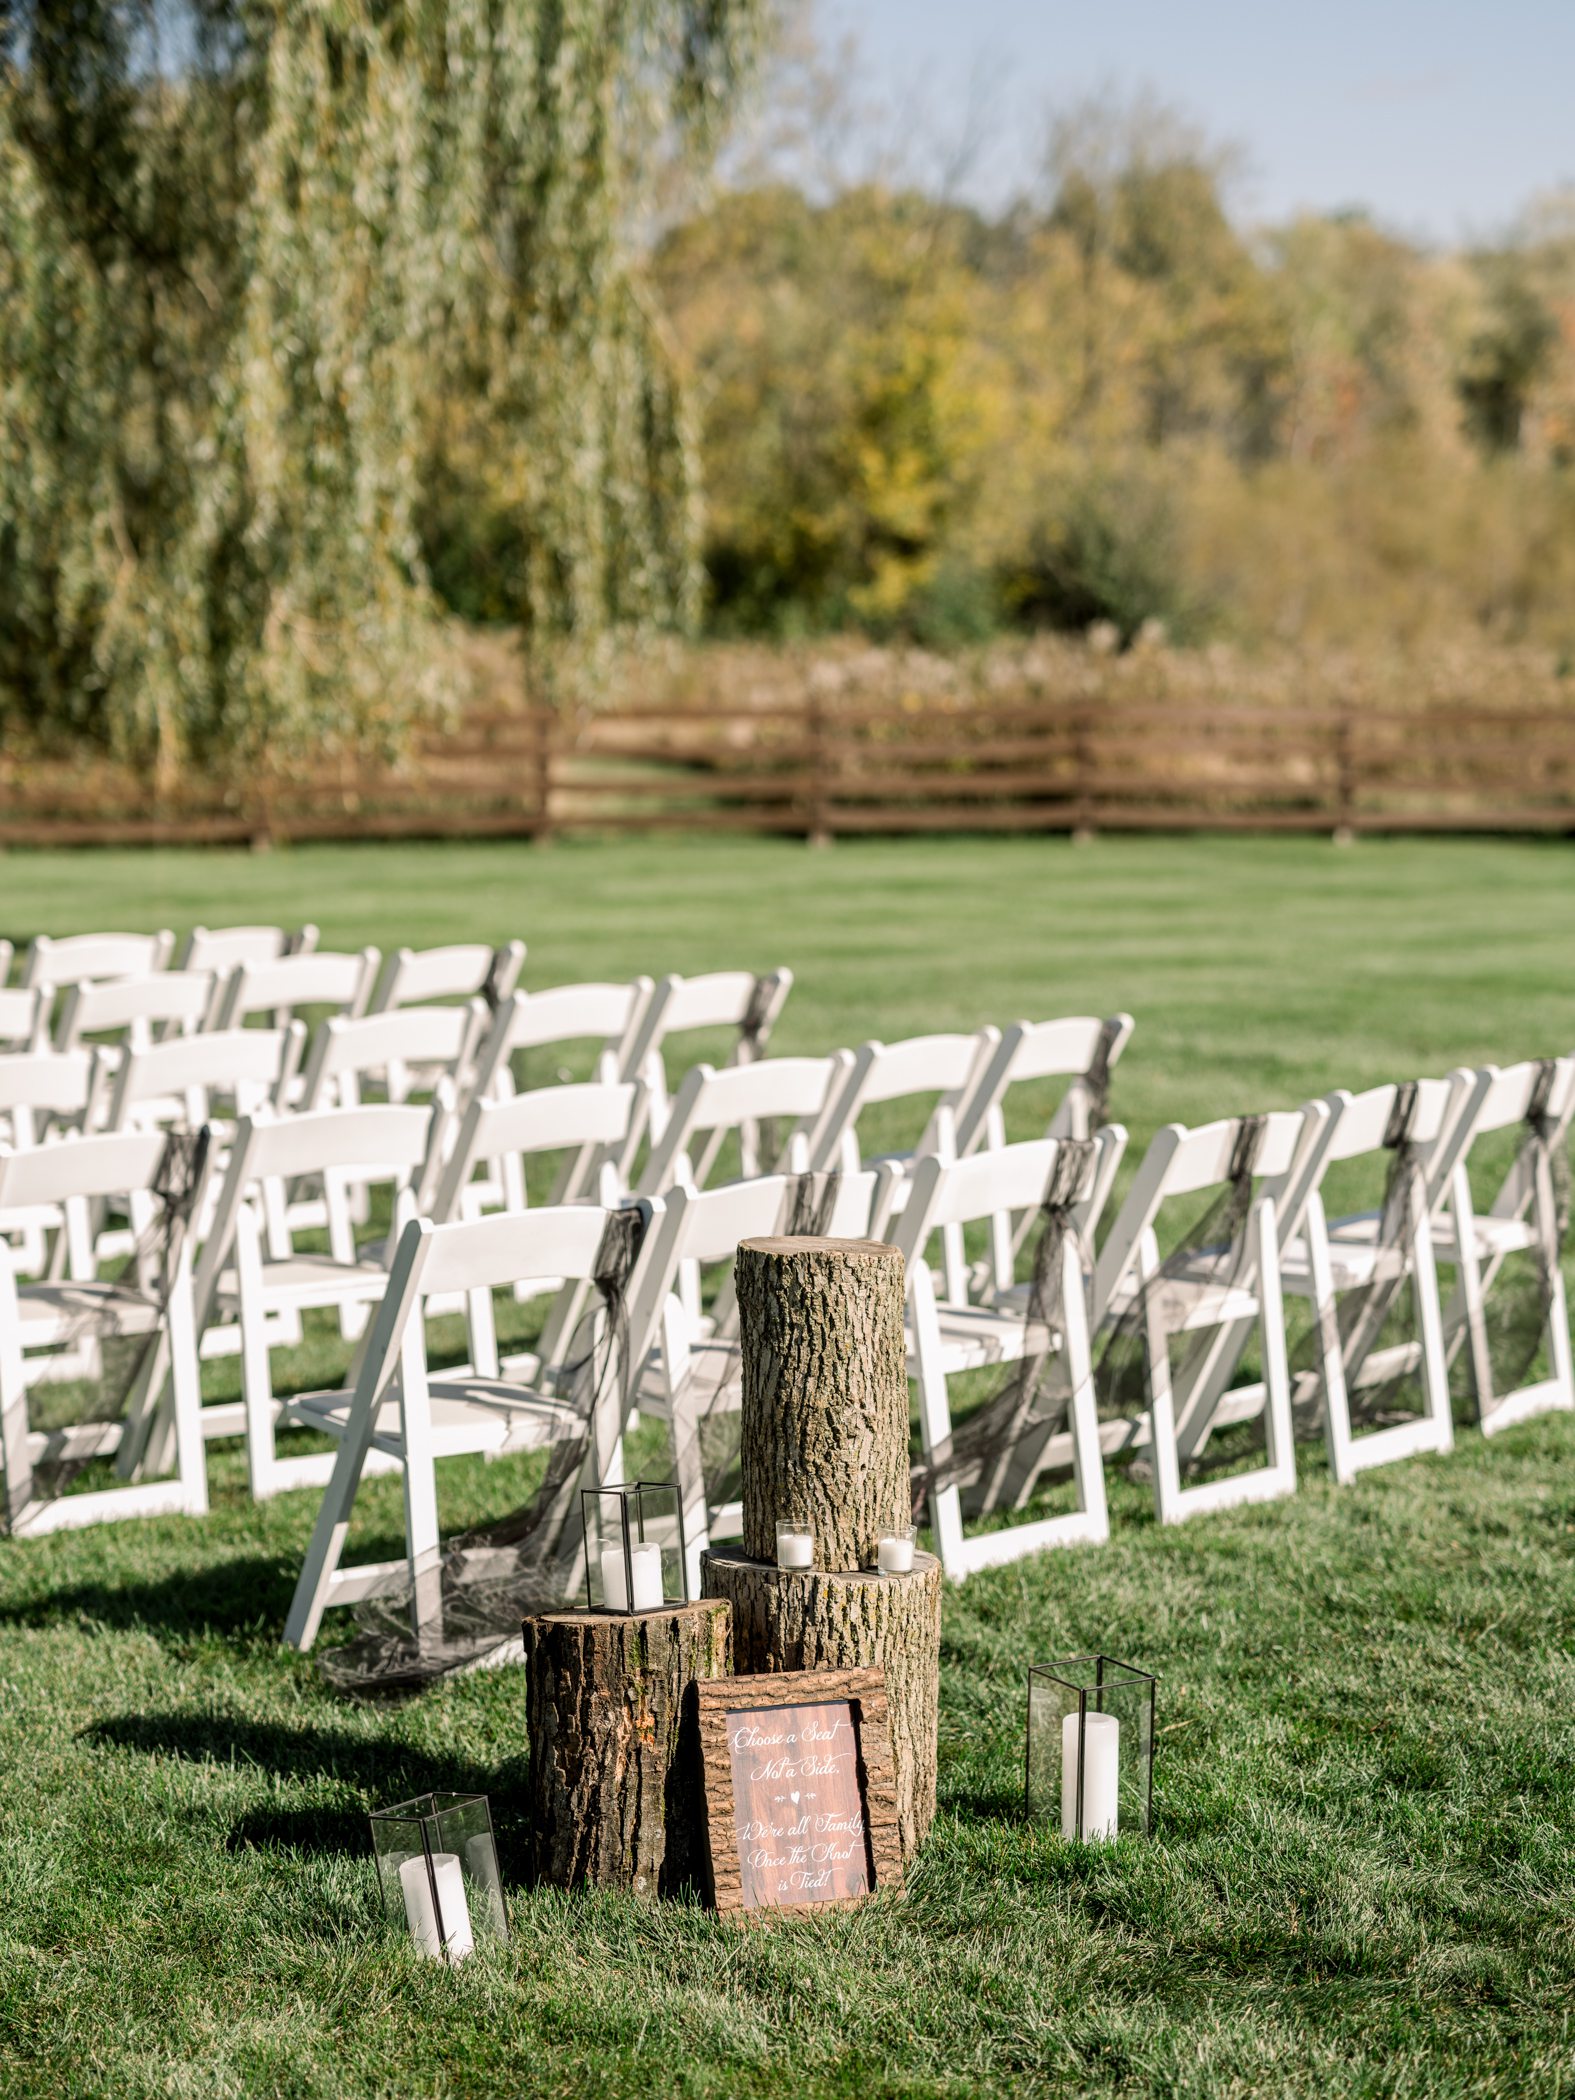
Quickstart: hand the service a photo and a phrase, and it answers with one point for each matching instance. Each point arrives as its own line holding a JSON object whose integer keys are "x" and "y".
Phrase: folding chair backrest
{"x": 1182, "y": 1162}
{"x": 324, "y": 978}
{"x": 1503, "y": 1094}
{"x": 251, "y": 1067}
{"x": 585, "y": 1117}
{"x": 121, "y": 1163}
{"x": 959, "y": 1192}
{"x": 225, "y": 949}
{"x": 82, "y": 958}
{"x": 393, "y": 1138}
{"x": 170, "y": 999}
{"x": 607, "y": 1014}
{"x": 415, "y": 976}
{"x": 46, "y": 1082}
{"x": 24, "y": 1017}
{"x": 719, "y": 999}
{"x": 792, "y": 1089}
{"x": 345, "y": 1050}
{"x": 946, "y": 1065}
{"x": 511, "y": 1247}
{"x": 1031, "y": 1050}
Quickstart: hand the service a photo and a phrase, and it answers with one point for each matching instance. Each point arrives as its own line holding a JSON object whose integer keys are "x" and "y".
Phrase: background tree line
{"x": 326, "y": 325}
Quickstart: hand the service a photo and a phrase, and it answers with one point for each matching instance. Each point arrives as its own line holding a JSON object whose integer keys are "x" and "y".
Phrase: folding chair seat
{"x": 1211, "y": 1290}
{"x": 737, "y": 1001}
{"x": 226, "y": 949}
{"x": 399, "y": 1050}
{"x": 467, "y": 970}
{"x": 1383, "y": 1253}
{"x": 951, "y": 1337}
{"x": 686, "y": 1364}
{"x": 323, "y": 978}
{"x": 401, "y": 1411}
{"x": 87, "y": 958}
{"x": 1524, "y": 1219}
{"x": 55, "y": 1329}
{"x": 791, "y": 1092}
{"x": 252, "y": 1274}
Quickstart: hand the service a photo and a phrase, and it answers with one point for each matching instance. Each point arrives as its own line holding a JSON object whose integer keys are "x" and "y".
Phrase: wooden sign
{"x": 800, "y": 1798}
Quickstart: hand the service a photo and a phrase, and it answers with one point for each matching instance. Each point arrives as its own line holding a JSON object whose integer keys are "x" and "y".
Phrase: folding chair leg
{"x": 14, "y": 1450}
{"x": 935, "y": 1417}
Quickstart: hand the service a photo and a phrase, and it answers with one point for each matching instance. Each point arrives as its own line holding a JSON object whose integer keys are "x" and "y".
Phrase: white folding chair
{"x": 606, "y": 1015}
{"x": 1079, "y": 1050}
{"x": 195, "y": 1079}
{"x": 397, "y": 1049}
{"x": 1205, "y": 1293}
{"x": 1522, "y": 1220}
{"x": 593, "y": 1123}
{"x": 721, "y": 999}
{"x": 1322, "y": 1259}
{"x": 272, "y": 1283}
{"x": 24, "y": 1016}
{"x": 948, "y": 1337}
{"x": 686, "y": 1368}
{"x": 56, "y": 1329}
{"x": 83, "y": 958}
{"x": 467, "y": 970}
{"x": 139, "y": 1010}
{"x": 399, "y": 1411}
{"x": 792, "y": 1092}
{"x": 225, "y": 949}
{"x": 284, "y": 987}
{"x": 46, "y": 1094}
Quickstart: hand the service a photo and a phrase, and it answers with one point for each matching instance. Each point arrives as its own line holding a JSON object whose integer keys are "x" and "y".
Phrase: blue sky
{"x": 1442, "y": 117}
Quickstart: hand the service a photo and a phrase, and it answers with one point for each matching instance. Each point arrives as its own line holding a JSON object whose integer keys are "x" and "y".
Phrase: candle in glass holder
{"x": 646, "y": 1563}
{"x": 1101, "y": 1775}
{"x": 452, "y": 1909}
{"x": 894, "y": 1554}
{"x": 795, "y": 1546}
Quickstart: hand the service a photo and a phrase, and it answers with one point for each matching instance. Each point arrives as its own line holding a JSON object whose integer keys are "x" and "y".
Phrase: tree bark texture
{"x": 614, "y": 1783}
{"x": 788, "y": 1619}
{"x": 825, "y": 1395}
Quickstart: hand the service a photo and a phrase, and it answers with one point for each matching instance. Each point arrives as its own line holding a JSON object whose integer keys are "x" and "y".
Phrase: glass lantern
{"x": 1090, "y": 1764}
{"x": 634, "y": 1547}
{"x": 438, "y": 1869}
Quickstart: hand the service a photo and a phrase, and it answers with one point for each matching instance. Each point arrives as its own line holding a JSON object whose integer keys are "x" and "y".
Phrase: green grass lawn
{"x": 1363, "y": 1875}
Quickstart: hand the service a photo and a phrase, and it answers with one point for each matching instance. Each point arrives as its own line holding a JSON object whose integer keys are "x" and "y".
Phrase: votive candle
{"x": 1101, "y": 1775}
{"x": 646, "y": 1562}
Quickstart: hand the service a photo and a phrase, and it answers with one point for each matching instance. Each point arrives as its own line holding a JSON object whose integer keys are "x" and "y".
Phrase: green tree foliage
{"x": 252, "y": 255}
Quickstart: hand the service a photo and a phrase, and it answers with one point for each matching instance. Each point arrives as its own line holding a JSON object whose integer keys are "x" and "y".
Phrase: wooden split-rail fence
{"x": 824, "y": 770}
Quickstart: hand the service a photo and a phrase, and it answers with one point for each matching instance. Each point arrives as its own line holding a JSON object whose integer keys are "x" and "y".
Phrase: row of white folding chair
{"x": 53, "y": 1329}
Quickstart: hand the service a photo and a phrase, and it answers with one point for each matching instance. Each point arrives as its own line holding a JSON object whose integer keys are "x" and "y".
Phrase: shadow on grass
{"x": 228, "y": 1597}
{"x": 380, "y": 1768}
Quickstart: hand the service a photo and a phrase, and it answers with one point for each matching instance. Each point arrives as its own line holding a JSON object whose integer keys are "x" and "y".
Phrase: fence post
{"x": 818, "y": 757}
{"x": 1083, "y": 776}
{"x": 546, "y": 722}
{"x": 1344, "y": 775}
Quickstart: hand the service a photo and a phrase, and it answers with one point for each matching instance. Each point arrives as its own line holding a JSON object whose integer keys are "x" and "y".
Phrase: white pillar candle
{"x": 795, "y": 1546}
{"x": 455, "y": 1912}
{"x": 646, "y": 1562}
{"x": 894, "y": 1555}
{"x": 1101, "y": 1775}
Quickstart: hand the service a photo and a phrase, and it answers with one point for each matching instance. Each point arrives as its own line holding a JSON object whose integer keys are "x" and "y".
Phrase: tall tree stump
{"x": 791, "y": 1619}
{"x": 825, "y": 1441}
{"x": 824, "y": 1432}
{"x": 614, "y": 1785}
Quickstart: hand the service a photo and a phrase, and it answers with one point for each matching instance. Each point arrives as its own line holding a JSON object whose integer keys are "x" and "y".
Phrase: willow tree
{"x": 251, "y": 254}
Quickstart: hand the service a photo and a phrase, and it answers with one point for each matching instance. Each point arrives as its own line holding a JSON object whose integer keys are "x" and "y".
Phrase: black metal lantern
{"x": 438, "y": 1869}
{"x": 1090, "y": 1761}
{"x": 635, "y": 1555}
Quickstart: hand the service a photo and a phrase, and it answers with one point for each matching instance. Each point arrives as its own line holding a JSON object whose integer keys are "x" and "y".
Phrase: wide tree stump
{"x": 790, "y": 1619}
{"x": 824, "y": 1431}
{"x": 614, "y": 1782}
